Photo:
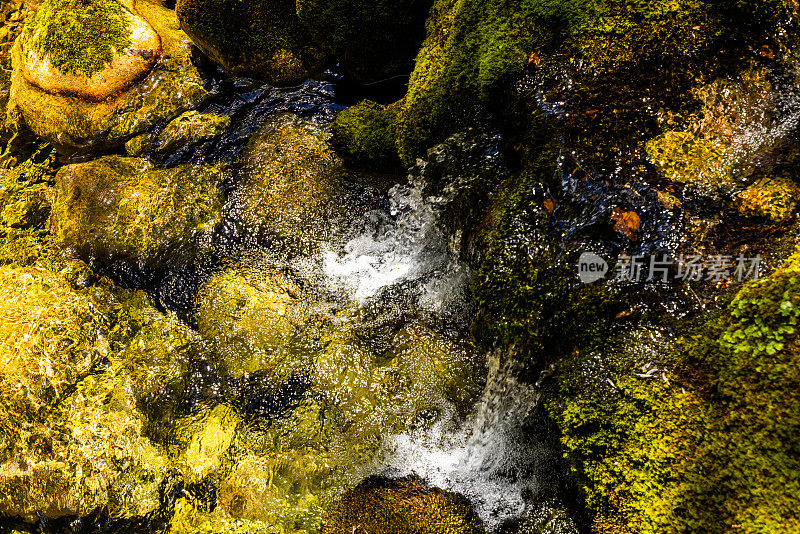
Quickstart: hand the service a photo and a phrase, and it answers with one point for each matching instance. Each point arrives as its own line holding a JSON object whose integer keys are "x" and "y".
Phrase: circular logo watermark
{"x": 591, "y": 267}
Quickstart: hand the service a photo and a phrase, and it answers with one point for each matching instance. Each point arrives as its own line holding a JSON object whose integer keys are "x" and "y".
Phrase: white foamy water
{"x": 405, "y": 245}
{"x": 486, "y": 459}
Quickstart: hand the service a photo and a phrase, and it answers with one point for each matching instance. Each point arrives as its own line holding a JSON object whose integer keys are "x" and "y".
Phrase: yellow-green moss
{"x": 80, "y": 36}
{"x": 775, "y": 198}
{"x": 401, "y": 506}
{"x": 126, "y": 208}
{"x": 290, "y": 184}
{"x": 690, "y": 435}
{"x": 364, "y": 134}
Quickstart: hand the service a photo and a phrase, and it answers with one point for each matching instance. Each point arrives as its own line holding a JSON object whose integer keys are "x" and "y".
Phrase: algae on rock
{"x": 70, "y": 440}
{"x": 290, "y": 185}
{"x": 127, "y": 209}
{"x": 74, "y": 124}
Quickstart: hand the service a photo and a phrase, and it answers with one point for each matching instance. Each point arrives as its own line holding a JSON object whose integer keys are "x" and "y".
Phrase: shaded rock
{"x": 92, "y": 49}
{"x": 371, "y": 40}
{"x": 402, "y": 506}
{"x": 290, "y": 184}
{"x": 191, "y": 127}
{"x": 261, "y": 38}
{"x": 70, "y": 440}
{"x": 127, "y": 209}
{"x": 75, "y": 124}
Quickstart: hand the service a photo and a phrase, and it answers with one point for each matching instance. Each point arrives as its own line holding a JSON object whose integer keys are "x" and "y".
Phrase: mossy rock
{"x": 476, "y": 51}
{"x": 258, "y": 317}
{"x": 689, "y": 433}
{"x": 401, "y": 506}
{"x": 70, "y": 438}
{"x": 424, "y": 380}
{"x": 773, "y": 198}
{"x": 289, "y": 185}
{"x": 718, "y": 151}
{"x": 261, "y": 38}
{"x": 364, "y": 135}
{"x": 75, "y": 124}
{"x": 91, "y": 49}
{"x": 190, "y": 128}
{"x": 372, "y": 40}
{"x": 127, "y": 209}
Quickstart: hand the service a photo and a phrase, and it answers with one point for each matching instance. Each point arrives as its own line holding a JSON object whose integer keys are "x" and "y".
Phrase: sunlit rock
{"x": 422, "y": 380}
{"x": 90, "y": 49}
{"x": 70, "y": 435}
{"x": 401, "y": 506}
{"x": 191, "y": 127}
{"x": 261, "y": 38}
{"x": 257, "y": 316}
{"x": 290, "y": 185}
{"x": 128, "y": 209}
{"x": 84, "y": 94}
{"x": 736, "y": 131}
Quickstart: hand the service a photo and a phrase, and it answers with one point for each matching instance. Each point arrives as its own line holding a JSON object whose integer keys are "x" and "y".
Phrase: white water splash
{"x": 405, "y": 245}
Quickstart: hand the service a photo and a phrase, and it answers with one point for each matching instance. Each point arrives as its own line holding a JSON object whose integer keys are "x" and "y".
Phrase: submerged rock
{"x": 371, "y": 40}
{"x": 127, "y": 209}
{"x": 258, "y": 317}
{"x": 70, "y": 439}
{"x": 191, "y": 127}
{"x": 290, "y": 185}
{"x": 52, "y": 94}
{"x": 401, "y": 506}
{"x": 261, "y": 38}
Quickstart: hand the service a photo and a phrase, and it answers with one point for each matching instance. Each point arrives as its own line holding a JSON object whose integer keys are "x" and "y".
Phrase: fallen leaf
{"x": 550, "y": 205}
{"x": 626, "y": 222}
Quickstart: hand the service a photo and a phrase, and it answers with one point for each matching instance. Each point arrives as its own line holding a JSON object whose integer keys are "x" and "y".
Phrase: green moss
{"x": 476, "y": 50}
{"x": 365, "y": 133}
{"x": 401, "y": 506}
{"x": 80, "y": 36}
{"x": 692, "y": 434}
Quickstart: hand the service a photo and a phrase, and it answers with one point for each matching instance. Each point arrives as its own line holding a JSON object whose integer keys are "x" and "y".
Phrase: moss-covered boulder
{"x": 401, "y": 506}
{"x": 75, "y": 123}
{"x": 258, "y": 318}
{"x": 262, "y": 38}
{"x": 365, "y": 135}
{"x": 127, "y": 209}
{"x": 90, "y": 49}
{"x": 289, "y": 185}
{"x": 70, "y": 434}
{"x": 371, "y": 40}
{"x": 689, "y": 434}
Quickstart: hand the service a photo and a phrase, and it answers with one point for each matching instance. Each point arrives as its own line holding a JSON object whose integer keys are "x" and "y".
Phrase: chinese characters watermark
{"x": 663, "y": 268}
